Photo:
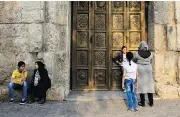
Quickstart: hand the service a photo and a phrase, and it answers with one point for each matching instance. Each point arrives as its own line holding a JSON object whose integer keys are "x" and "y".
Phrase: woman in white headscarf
{"x": 143, "y": 59}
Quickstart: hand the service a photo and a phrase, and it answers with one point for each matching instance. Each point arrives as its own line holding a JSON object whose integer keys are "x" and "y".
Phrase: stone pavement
{"x": 98, "y": 108}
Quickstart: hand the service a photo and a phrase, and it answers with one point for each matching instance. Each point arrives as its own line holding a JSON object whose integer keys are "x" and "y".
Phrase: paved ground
{"x": 91, "y": 104}
{"x": 101, "y": 108}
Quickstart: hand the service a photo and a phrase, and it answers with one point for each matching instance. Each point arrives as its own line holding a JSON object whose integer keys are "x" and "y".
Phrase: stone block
{"x": 58, "y": 12}
{"x": 170, "y": 67}
{"x": 50, "y": 62}
{"x": 151, "y": 12}
{"x": 58, "y": 67}
{"x": 6, "y": 45}
{"x": 62, "y": 69}
{"x": 56, "y": 93}
{"x": 35, "y": 37}
{"x": 151, "y": 36}
{"x": 167, "y": 91}
{"x": 178, "y": 71}
{"x": 28, "y": 58}
{"x": 6, "y": 67}
{"x": 21, "y": 45}
{"x": 178, "y": 37}
{"x": 171, "y": 36}
{"x": 64, "y": 39}
{"x": 40, "y": 55}
{"x": 162, "y": 12}
{"x": 177, "y": 12}
{"x": 9, "y": 31}
{"x": 157, "y": 39}
{"x": 56, "y": 38}
{"x": 21, "y": 11}
{"x": 51, "y": 37}
{"x": 165, "y": 70}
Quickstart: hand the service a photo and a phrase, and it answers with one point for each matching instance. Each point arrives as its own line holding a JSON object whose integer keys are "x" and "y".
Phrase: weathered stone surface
{"x": 161, "y": 11}
{"x": 11, "y": 31}
{"x": 63, "y": 66}
{"x": 177, "y": 12}
{"x": 28, "y": 58}
{"x": 58, "y": 68}
{"x": 40, "y": 55}
{"x": 21, "y": 37}
{"x": 171, "y": 37}
{"x": 167, "y": 91}
{"x": 165, "y": 70}
{"x": 6, "y": 66}
{"x": 51, "y": 37}
{"x": 178, "y": 71}
{"x": 178, "y": 37}
{"x": 6, "y": 45}
{"x": 150, "y": 13}
{"x": 49, "y": 60}
{"x": 35, "y": 38}
{"x": 157, "y": 39}
{"x": 64, "y": 39}
{"x": 58, "y": 12}
{"x": 21, "y": 12}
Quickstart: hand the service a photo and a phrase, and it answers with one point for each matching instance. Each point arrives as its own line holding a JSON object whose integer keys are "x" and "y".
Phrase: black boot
{"x": 142, "y": 102}
{"x": 150, "y": 98}
{"x": 42, "y": 101}
{"x": 43, "y": 98}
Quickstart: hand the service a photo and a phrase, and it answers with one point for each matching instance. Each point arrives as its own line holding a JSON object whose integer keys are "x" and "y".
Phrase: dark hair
{"x": 40, "y": 64}
{"x": 20, "y": 63}
{"x": 124, "y": 47}
{"x": 129, "y": 57}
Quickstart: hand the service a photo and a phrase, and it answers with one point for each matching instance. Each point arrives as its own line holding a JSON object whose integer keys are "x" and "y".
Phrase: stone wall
{"x": 163, "y": 38}
{"x": 31, "y": 31}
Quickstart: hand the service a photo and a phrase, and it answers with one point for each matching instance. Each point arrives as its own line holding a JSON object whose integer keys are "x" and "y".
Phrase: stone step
{"x": 99, "y": 95}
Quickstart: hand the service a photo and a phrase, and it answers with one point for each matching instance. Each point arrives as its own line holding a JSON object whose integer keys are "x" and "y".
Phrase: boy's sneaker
{"x": 22, "y": 102}
{"x": 124, "y": 90}
{"x": 11, "y": 101}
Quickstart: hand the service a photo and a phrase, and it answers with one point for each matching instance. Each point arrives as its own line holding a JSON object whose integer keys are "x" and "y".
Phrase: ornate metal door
{"x": 100, "y": 29}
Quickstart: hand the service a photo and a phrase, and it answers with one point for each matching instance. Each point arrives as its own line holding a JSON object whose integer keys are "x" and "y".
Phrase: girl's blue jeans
{"x": 131, "y": 94}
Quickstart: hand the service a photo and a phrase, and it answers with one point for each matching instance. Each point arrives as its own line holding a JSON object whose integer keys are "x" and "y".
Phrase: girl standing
{"x": 130, "y": 81}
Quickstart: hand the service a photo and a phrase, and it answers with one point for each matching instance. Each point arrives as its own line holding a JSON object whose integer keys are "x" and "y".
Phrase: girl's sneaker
{"x": 131, "y": 110}
{"x": 136, "y": 110}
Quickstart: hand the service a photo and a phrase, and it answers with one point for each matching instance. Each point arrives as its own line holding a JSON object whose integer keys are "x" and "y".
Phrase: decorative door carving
{"x": 99, "y": 31}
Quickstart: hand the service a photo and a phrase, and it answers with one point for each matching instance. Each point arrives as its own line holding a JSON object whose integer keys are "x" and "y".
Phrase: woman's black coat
{"x": 45, "y": 81}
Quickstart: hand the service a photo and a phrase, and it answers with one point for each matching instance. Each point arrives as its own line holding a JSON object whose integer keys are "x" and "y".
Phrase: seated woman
{"x": 40, "y": 84}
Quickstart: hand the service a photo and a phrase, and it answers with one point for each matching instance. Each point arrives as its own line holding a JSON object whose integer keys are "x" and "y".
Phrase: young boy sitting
{"x": 18, "y": 81}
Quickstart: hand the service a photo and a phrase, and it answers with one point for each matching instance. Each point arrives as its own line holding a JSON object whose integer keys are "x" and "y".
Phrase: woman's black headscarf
{"x": 43, "y": 74}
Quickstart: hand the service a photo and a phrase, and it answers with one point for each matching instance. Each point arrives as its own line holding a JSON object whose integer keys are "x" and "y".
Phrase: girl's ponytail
{"x": 129, "y": 57}
{"x": 130, "y": 62}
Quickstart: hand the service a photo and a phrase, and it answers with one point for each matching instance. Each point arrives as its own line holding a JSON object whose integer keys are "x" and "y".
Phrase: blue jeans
{"x": 131, "y": 94}
{"x": 13, "y": 86}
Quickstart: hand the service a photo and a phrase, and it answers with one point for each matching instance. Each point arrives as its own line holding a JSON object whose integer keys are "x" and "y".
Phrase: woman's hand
{"x": 35, "y": 84}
